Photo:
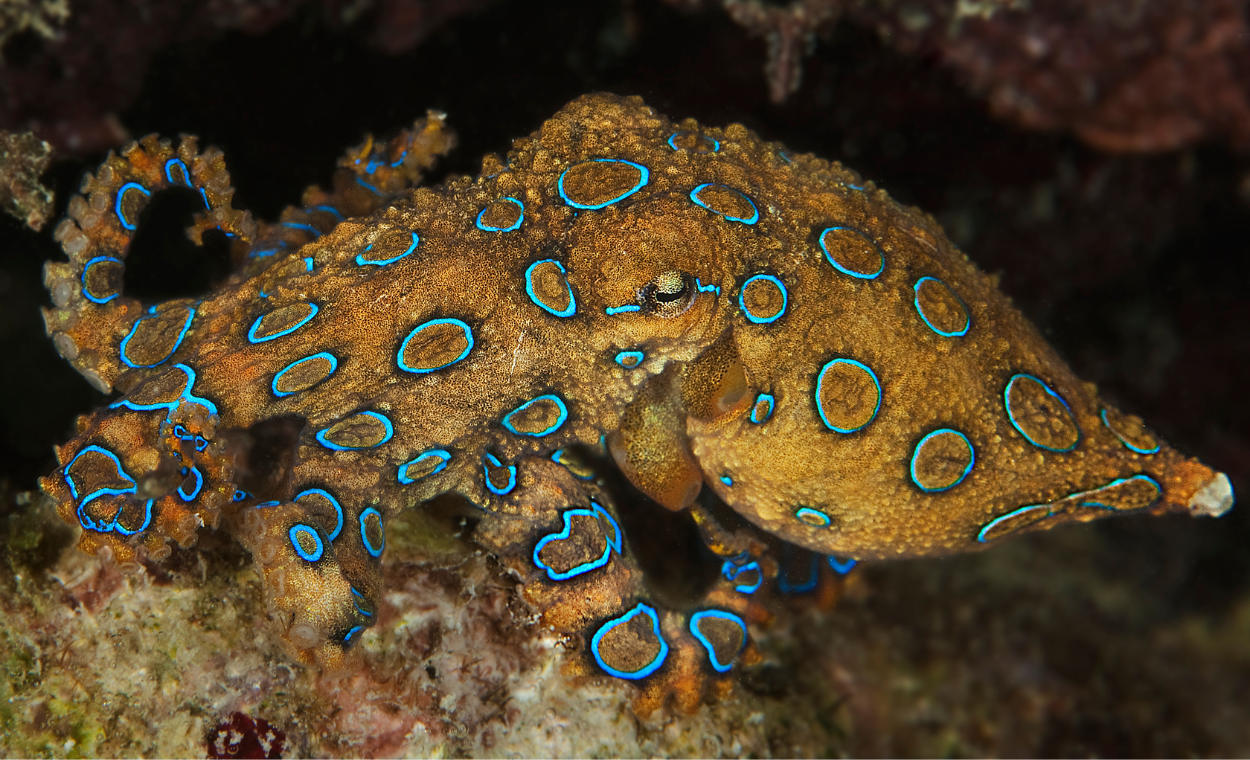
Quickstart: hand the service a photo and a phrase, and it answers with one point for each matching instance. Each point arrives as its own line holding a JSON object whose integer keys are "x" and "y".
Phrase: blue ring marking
{"x": 357, "y": 598}
{"x": 1127, "y": 445}
{"x": 967, "y": 316}
{"x": 207, "y": 205}
{"x": 351, "y": 634}
{"x": 199, "y": 484}
{"x": 300, "y": 529}
{"x": 783, "y": 578}
{"x": 841, "y": 567}
{"x": 646, "y": 670}
{"x": 443, "y": 456}
{"x": 261, "y": 253}
{"x": 1117, "y": 482}
{"x": 557, "y": 456}
{"x": 106, "y": 491}
{"x": 715, "y": 142}
{"x": 308, "y": 263}
{"x": 416, "y": 239}
{"x": 568, "y": 311}
{"x": 241, "y": 495}
{"x": 83, "y": 278}
{"x": 624, "y": 357}
{"x": 972, "y": 459}
{"x": 181, "y": 433}
{"x": 821, "y": 378}
{"x": 147, "y": 520}
{"x": 268, "y": 504}
{"x": 727, "y": 480}
{"x": 564, "y": 415}
{"x": 612, "y": 311}
{"x": 316, "y": 233}
{"x": 186, "y": 173}
{"x": 177, "y": 344}
{"x": 642, "y": 181}
{"x": 1011, "y": 418}
{"x": 117, "y": 204}
{"x": 251, "y": 333}
{"x": 743, "y": 588}
{"x": 468, "y": 334}
{"x": 364, "y": 536}
{"x": 822, "y": 520}
{"x": 510, "y": 228}
{"x": 711, "y": 651}
{"x": 494, "y": 462}
{"x": 338, "y": 508}
{"x": 334, "y": 365}
{"x": 755, "y": 215}
{"x": 390, "y": 433}
{"x": 1014, "y": 513}
{"x": 785, "y": 300}
{"x": 844, "y": 270}
{"x": 201, "y": 443}
{"x": 367, "y": 186}
{"x": 772, "y": 403}
{"x": 329, "y": 210}
{"x": 610, "y": 543}
{"x": 699, "y": 286}
{"x": 171, "y": 405}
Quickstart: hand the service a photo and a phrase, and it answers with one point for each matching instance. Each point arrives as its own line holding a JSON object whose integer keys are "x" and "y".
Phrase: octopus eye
{"x": 669, "y": 294}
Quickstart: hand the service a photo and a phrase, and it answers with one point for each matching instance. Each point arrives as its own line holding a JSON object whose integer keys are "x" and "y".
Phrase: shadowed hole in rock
{"x": 265, "y": 454}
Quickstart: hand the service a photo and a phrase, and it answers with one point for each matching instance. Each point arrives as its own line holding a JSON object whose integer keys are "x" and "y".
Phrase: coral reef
{"x": 23, "y": 160}
{"x": 1123, "y": 75}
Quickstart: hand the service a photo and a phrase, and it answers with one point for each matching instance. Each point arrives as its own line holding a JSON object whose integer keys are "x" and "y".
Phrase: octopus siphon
{"x": 763, "y": 341}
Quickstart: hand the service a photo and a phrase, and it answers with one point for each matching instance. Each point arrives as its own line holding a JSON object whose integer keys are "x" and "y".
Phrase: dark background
{"x": 1134, "y": 266}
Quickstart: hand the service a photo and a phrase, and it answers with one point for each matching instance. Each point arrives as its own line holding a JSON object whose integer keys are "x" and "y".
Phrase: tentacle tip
{"x": 1213, "y": 498}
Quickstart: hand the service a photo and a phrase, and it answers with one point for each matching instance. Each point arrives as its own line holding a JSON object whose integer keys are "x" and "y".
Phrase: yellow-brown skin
{"x": 677, "y": 422}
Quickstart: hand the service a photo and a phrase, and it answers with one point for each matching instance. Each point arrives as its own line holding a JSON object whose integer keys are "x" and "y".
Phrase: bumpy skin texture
{"x": 712, "y": 311}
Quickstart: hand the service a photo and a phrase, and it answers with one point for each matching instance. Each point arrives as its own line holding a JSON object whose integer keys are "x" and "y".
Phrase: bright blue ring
{"x": 771, "y": 405}
{"x": 564, "y": 415}
{"x": 251, "y": 332}
{"x": 443, "y": 456}
{"x": 1117, "y": 482}
{"x": 646, "y": 670}
{"x": 568, "y": 311}
{"x": 316, "y": 233}
{"x": 83, "y": 279}
{"x": 351, "y": 635}
{"x": 1045, "y": 387}
{"x": 338, "y": 508}
{"x": 821, "y": 378}
{"x": 494, "y": 461}
{"x": 177, "y": 344}
{"x": 364, "y": 536}
{"x": 711, "y": 651}
{"x": 199, "y": 484}
{"x": 612, "y": 311}
{"x": 1127, "y": 445}
{"x": 184, "y": 396}
{"x": 644, "y": 173}
{"x": 785, "y": 300}
{"x": 360, "y": 260}
{"x": 623, "y": 357}
{"x": 329, "y": 210}
{"x": 989, "y": 525}
{"x": 706, "y": 288}
{"x": 727, "y": 480}
{"x": 468, "y": 334}
{"x": 117, "y": 204}
{"x": 390, "y": 432}
{"x": 73, "y": 489}
{"x": 367, "y": 186}
{"x": 610, "y": 543}
{"x": 715, "y": 142}
{"x": 186, "y": 173}
{"x": 743, "y": 588}
{"x": 967, "y": 316}
{"x": 307, "y": 556}
{"x": 357, "y": 598}
{"x": 825, "y": 519}
{"x": 268, "y": 504}
{"x": 241, "y": 495}
{"x": 755, "y": 216}
{"x": 844, "y": 270}
{"x": 972, "y": 459}
{"x": 843, "y": 567}
{"x": 147, "y": 520}
{"x": 510, "y": 228}
{"x": 334, "y": 365}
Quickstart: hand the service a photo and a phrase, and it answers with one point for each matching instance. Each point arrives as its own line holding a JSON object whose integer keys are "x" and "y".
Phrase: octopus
{"x": 764, "y": 343}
